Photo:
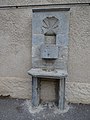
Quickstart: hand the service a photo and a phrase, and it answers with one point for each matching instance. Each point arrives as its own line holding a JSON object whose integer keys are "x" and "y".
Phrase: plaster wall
{"x": 40, "y": 2}
{"x": 15, "y": 51}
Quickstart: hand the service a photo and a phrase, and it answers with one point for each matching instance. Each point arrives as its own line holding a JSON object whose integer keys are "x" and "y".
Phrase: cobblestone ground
{"x": 14, "y": 109}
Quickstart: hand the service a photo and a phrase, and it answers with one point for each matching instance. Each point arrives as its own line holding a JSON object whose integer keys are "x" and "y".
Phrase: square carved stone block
{"x": 49, "y": 51}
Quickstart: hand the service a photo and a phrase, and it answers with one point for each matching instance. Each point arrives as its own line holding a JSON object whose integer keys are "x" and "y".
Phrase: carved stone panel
{"x": 50, "y": 37}
{"x": 50, "y": 25}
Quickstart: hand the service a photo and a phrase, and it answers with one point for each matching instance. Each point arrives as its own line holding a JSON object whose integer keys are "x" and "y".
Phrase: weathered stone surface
{"x": 47, "y": 73}
{"x": 50, "y": 24}
{"x": 62, "y": 39}
{"x": 49, "y": 52}
{"x": 36, "y": 51}
{"x": 48, "y": 86}
{"x": 37, "y": 39}
{"x": 26, "y": 2}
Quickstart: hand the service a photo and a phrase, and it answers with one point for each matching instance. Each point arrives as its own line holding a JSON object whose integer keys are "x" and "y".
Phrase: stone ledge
{"x": 39, "y": 2}
{"x": 45, "y": 73}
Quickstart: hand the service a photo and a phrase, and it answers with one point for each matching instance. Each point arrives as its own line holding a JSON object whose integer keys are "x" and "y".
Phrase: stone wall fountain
{"x": 50, "y": 28}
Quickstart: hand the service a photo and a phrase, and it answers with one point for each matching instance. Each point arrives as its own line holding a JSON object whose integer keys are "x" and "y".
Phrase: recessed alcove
{"x": 50, "y": 38}
{"x": 51, "y": 87}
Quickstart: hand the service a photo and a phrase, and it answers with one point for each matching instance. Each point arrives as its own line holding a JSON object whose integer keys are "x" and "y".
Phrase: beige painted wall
{"x": 79, "y": 55}
{"x": 15, "y": 51}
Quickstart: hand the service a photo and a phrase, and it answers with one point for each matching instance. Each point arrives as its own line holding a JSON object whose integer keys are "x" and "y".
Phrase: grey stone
{"x": 49, "y": 52}
{"x": 37, "y": 39}
{"x": 38, "y": 72}
{"x": 38, "y": 63}
{"x": 49, "y": 32}
{"x": 50, "y": 29}
{"x": 36, "y": 51}
{"x": 63, "y": 26}
{"x": 62, "y": 40}
{"x": 60, "y": 64}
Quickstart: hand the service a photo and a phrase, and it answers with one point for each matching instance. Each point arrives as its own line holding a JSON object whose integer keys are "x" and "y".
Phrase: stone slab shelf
{"x": 43, "y": 73}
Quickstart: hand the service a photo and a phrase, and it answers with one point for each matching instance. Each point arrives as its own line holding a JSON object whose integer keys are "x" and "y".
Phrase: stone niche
{"x": 50, "y": 28}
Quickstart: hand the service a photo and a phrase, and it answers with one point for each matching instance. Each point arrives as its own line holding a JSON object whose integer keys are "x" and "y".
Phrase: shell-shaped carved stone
{"x": 50, "y": 25}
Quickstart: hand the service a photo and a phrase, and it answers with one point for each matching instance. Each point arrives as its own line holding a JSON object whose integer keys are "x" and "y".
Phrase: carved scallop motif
{"x": 50, "y": 25}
